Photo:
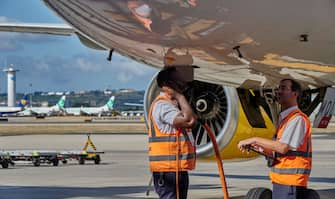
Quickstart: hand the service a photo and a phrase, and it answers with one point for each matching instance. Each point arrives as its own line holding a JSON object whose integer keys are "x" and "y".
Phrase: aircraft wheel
{"x": 4, "y": 164}
{"x": 36, "y": 162}
{"x": 311, "y": 194}
{"x": 259, "y": 193}
{"x": 97, "y": 159}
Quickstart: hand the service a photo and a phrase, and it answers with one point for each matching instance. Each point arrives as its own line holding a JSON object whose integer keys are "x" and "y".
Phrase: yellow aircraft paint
{"x": 245, "y": 130}
{"x": 274, "y": 60}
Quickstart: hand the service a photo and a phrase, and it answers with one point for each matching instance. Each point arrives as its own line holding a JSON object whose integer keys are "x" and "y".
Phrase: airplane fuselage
{"x": 243, "y": 44}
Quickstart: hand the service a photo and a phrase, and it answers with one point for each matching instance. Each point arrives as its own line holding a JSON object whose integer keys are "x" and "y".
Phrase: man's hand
{"x": 186, "y": 118}
{"x": 243, "y": 143}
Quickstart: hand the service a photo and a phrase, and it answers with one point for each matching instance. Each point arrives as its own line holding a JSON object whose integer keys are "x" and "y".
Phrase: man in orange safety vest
{"x": 291, "y": 146}
{"x": 171, "y": 144}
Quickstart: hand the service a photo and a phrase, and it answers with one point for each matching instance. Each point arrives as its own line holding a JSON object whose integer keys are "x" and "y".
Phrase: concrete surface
{"x": 123, "y": 172}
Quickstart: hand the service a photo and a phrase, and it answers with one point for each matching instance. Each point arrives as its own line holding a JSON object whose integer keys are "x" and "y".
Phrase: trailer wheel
{"x": 97, "y": 159}
{"x": 4, "y": 164}
{"x": 55, "y": 162}
{"x": 81, "y": 160}
{"x": 259, "y": 193}
{"x": 36, "y": 162}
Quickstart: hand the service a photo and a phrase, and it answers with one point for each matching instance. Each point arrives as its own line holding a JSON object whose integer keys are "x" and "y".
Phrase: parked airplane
{"x": 92, "y": 111}
{"x": 56, "y": 109}
{"x": 246, "y": 45}
{"x": 6, "y": 110}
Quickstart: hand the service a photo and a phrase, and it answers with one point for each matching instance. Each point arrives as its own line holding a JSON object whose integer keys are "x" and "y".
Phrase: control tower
{"x": 11, "y": 85}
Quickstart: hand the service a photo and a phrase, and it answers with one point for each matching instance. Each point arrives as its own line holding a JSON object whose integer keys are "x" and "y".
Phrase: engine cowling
{"x": 215, "y": 105}
{"x": 219, "y": 107}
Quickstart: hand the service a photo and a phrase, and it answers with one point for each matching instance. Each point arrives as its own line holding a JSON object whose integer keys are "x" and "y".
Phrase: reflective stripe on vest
{"x": 166, "y": 139}
{"x": 163, "y": 147}
{"x": 293, "y": 167}
{"x": 295, "y": 153}
{"x": 291, "y": 171}
{"x": 171, "y": 157}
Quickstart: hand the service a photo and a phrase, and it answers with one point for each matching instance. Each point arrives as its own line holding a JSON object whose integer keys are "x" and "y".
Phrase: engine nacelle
{"x": 219, "y": 107}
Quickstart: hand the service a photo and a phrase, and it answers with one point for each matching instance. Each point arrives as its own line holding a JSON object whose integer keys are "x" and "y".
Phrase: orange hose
{"x": 218, "y": 160}
{"x": 178, "y": 165}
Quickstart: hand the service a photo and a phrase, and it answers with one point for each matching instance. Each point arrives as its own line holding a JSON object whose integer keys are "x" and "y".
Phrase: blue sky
{"x": 60, "y": 63}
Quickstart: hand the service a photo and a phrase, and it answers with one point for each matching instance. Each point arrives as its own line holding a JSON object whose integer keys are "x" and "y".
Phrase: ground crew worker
{"x": 171, "y": 146}
{"x": 291, "y": 146}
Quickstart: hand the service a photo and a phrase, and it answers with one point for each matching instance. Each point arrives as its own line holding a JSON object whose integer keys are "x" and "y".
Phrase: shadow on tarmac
{"x": 36, "y": 192}
{"x": 259, "y": 177}
{"x": 32, "y": 192}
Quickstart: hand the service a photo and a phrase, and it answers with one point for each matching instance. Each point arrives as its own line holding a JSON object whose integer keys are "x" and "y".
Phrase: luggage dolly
{"x": 36, "y": 157}
{"x": 5, "y": 160}
{"x": 83, "y": 155}
{"x": 265, "y": 193}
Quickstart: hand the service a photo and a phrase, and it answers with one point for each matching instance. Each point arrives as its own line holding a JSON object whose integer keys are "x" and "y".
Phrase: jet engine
{"x": 219, "y": 107}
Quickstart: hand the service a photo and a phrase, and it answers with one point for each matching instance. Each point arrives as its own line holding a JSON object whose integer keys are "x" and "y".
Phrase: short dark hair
{"x": 168, "y": 76}
{"x": 295, "y": 86}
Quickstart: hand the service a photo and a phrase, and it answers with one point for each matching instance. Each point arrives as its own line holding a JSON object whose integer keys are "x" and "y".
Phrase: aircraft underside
{"x": 242, "y": 44}
{"x": 247, "y": 45}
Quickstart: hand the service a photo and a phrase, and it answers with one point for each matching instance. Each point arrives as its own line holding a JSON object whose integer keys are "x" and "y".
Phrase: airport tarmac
{"x": 80, "y": 125}
{"x": 123, "y": 172}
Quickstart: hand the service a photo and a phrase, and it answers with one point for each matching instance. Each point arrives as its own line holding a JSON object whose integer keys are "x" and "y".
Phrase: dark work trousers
{"x": 281, "y": 191}
{"x": 165, "y": 184}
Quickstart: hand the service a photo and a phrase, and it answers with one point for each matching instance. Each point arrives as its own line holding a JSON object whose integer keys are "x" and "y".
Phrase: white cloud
{"x": 5, "y": 19}
{"x": 7, "y": 45}
{"x": 124, "y": 77}
{"x": 85, "y": 65}
{"x": 41, "y": 65}
{"x": 133, "y": 67}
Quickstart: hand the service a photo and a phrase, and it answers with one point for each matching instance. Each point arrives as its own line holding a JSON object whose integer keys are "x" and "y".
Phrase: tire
{"x": 81, "y": 160}
{"x": 36, "y": 162}
{"x": 4, "y": 164}
{"x": 97, "y": 159}
{"x": 64, "y": 161}
{"x": 311, "y": 194}
{"x": 55, "y": 162}
{"x": 259, "y": 193}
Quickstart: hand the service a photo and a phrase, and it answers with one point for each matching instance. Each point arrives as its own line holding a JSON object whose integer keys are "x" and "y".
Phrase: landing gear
{"x": 311, "y": 194}
{"x": 259, "y": 193}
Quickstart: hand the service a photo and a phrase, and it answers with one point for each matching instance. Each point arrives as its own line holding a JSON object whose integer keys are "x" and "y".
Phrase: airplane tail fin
{"x": 23, "y": 102}
{"x": 61, "y": 102}
{"x": 110, "y": 103}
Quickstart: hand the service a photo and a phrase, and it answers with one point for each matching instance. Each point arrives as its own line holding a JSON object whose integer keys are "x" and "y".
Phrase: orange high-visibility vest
{"x": 163, "y": 147}
{"x": 294, "y": 167}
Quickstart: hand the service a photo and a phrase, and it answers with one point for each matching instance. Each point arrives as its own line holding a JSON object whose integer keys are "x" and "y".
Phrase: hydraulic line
{"x": 218, "y": 160}
{"x": 178, "y": 165}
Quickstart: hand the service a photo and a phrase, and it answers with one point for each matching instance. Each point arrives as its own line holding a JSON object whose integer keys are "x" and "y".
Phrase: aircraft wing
{"x": 54, "y": 29}
{"x": 232, "y": 46}
{"x": 248, "y": 45}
